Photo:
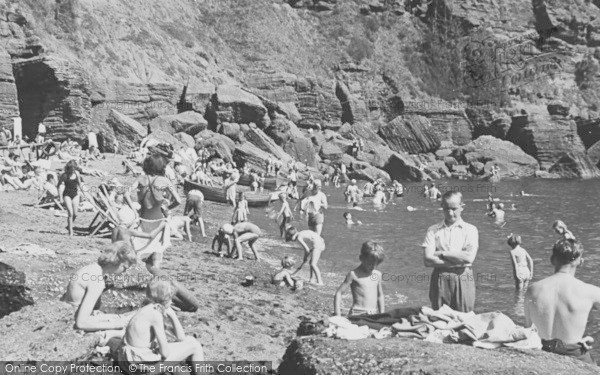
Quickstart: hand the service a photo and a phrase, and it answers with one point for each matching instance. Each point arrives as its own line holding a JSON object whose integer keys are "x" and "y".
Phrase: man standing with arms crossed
{"x": 450, "y": 247}
{"x": 560, "y": 305}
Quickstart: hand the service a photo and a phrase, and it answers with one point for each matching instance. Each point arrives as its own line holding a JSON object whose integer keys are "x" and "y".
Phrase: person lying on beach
{"x": 313, "y": 245}
{"x": 561, "y": 228}
{"x": 193, "y": 204}
{"x": 348, "y": 217}
{"x": 87, "y": 284}
{"x": 239, "y": 233}
{"x": 364, "y": 282}
{"x": 284, "y": 276}
{"x": 179, "y": 223}
{"x": 145, "y": 338}
{"x": 559, "y": 305}
{"x": 521, "y": 262}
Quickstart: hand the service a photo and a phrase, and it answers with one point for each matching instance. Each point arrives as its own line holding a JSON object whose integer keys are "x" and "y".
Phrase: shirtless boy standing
{"x": 365, "y": 283}
{"x": 560, "y": 305}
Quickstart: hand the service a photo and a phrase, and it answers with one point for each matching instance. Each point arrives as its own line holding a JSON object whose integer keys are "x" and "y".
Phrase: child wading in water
{"x": 521, "y": 262}
{"x": 365, "y": 283}
{"x": 561, "y": 228}
{"x": 313, "y": 245}
{"x": 284, "y": 276}
{"x": 240, "y": 214}
{"x": 145, "y": 337}
{"x": 285, "y": 212}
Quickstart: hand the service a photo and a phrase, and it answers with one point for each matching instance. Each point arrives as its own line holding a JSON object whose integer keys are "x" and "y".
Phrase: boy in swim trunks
{"x": 521, "y": 262}
{"x": 193, "y": 203}
{"x": 145, "y": 338}
{"x": 313, "y": 245}
{"x": 364, "y": 282}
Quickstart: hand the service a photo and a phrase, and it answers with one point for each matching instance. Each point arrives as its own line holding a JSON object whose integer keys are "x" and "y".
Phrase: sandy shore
{"x": 233, "y": 323}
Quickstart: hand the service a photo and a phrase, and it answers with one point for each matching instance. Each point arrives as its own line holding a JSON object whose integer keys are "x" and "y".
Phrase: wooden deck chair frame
{"x": 49, "y": 202}
{"x": 105, "y": 217}
{"x": 130, "y": 168}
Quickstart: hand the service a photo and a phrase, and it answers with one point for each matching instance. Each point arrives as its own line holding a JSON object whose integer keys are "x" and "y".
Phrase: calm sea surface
{"x": 406, "y": 280}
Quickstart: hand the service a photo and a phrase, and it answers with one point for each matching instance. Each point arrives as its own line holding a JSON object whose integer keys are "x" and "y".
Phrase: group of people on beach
{"x": 558, "y": 305}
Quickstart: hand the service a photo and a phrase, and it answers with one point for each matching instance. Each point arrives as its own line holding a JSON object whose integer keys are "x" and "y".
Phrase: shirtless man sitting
{"x": 240, "y": 233}
{"x": 560, "y": 305}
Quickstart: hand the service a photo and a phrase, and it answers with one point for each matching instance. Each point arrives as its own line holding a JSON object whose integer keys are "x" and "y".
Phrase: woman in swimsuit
{"x": 521, "y": 262}
{"x": 69, "y": 184}
{"x": 155, "y": 193}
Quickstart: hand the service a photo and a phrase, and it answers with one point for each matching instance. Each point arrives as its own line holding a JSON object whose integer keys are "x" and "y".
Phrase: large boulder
{"x": 378, "y": 154}
{"x": 127, "y": 131}
{"x": 490, "y": 149}
{"x": 281, "y": 129}
{"x": 198, "y": 95}
{"x": 317, "y": 103}
{"x": 330, "y": 151}
{"x": 486, "y": 121}
{"x": 258, "y": 138}
{"x": 313, "y": 355}
{"x": 360, "y": 170}
{"x": 353, "y": 108}
{"x": 190, "y": 122}
{"x": 233, "y": 104}
{"x": 222, "y": 145}
{"x": 250, "y": 155}
{"x": 593, "y": 153}
{"x": 547, "y": 138}
{"x": 412, "y": 134}
{"x": 450, "y": 124}
{"x": 575, "y": 165}
{"x": 14, "y": 293}
{"x": 186, "y": 139}
{"x": 164, "y": 137}
{"x": 233, "y": 131}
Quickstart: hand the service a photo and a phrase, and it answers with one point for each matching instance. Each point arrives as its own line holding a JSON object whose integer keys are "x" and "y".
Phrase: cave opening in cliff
{"x": 40, "y": 94}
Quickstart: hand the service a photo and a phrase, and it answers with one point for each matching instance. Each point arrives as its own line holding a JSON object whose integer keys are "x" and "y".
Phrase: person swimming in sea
{"x": 561, "y": 228}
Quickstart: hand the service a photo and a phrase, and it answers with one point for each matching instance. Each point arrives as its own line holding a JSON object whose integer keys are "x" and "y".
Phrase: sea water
{"x": 401, "y": 231}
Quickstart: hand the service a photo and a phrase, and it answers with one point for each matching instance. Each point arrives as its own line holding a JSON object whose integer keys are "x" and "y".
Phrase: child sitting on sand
{"x": 313, "y": 246}
{"x": 50, "y": 189}
{"x": 561, "y": 228}
{"x": 179, "y": 223}
{"x": 284, "y": 277}
{"x": 145, "y": 337}
{"x": 521, "y": 262}
{"x": 364, "y": 282}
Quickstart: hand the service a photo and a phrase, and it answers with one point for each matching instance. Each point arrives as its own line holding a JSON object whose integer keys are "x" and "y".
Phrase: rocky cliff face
{"x": 424, "y": 75}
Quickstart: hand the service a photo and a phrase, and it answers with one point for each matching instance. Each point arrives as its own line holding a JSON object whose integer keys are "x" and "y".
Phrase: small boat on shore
{"x": 271, "y": 182}
{"x": 219, "y": 194}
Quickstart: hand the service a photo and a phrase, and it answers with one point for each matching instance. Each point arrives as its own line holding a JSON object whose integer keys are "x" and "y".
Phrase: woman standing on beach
{"x": 69, "y": 185}
{"x": 156, "y": 196}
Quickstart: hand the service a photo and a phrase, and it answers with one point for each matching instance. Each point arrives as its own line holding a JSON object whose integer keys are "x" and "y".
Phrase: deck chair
{"x": 46, "y": 201}
{"x": 106, "y": 215}
{"x": 130, "y": 168}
